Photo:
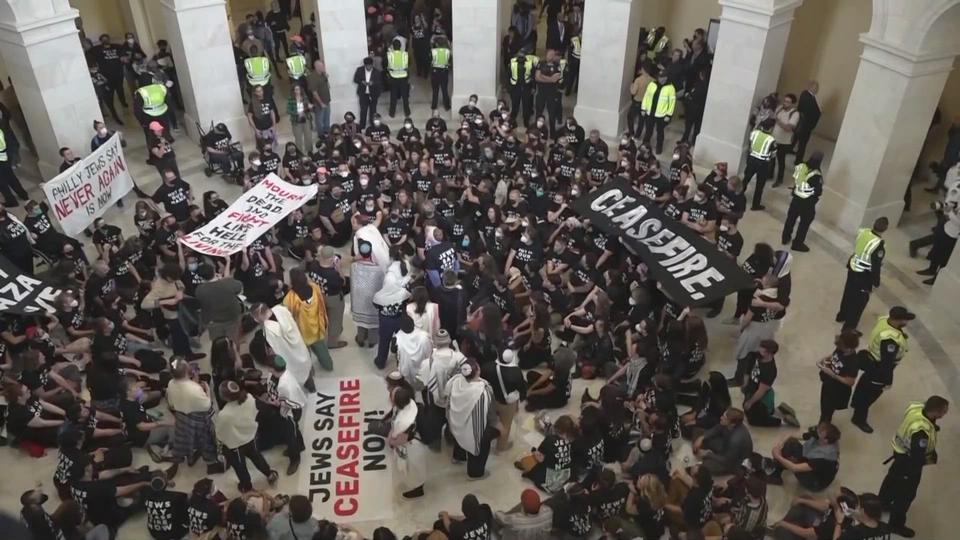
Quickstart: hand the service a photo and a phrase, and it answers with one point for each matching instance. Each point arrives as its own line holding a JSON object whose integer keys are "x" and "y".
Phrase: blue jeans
{"x": 321, "y": 120}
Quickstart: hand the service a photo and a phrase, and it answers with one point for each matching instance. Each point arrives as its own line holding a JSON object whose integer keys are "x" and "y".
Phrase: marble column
{"x": 476, "y": 52}
{"x": 610, "y": 30}
{"x": 199, "y": 37}
{"x": 44, "y": 59}
{"x": 343, "y": 45}
{"x": 138, "y": 21}
{"x": 888, "y": 115}
{"x": 746, "y": 66}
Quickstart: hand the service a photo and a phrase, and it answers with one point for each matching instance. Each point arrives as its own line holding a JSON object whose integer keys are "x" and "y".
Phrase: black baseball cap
{"x": 901, "y": 313}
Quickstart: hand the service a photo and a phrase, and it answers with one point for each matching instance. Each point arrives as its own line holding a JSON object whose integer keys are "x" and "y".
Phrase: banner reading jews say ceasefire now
{"x": 87, "y": 189}
{"x": 691, "y": 269}
{"x": 251, "y": 215}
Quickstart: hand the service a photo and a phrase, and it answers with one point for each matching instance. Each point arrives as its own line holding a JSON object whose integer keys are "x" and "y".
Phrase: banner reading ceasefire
{"x": 346, "y": 471}
{"x": 691, "y": 269}
{"x": 251, "y": 215}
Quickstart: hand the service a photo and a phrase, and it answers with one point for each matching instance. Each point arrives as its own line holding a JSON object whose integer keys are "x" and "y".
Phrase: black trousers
{"x": 758, "y": 415}
{"x": 691, "y": 125}
{"x": 105, "y": 98}
{"x": 237, "y": 458}
{"x": 440, "y": 81}
{"x": 521, "y": 96}
{"x": 804, "y": 210}
{"x": 178, "y": 337}
{"x": 9, "y": 183}
{"x": 865, "y": 394}
{"x": 658, "y": 124}
{"x": 292, "y": 436}
{"x": 635, "y": 119}
{"x": 548, "y": 99}
{"x": 421, "y": 57}
{"x": 573, "y": 76}
{"x": 400, "y": 89}
{"x": 280, "y": 38}
{"x": 116, "y": 86}
{"x": 368, "y": 108}
{"x": 803, "y": 137}
{"x": 477, "y": 465}
{"x": 899, "y": 488}
{"x": 856, "y": 294}
{"x": 782, "y": 150}
{"x": 760, "y": 168}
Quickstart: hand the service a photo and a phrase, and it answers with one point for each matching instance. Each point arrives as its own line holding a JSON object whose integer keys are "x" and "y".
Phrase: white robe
{"x": 284, "y": 338}
{"x": 411, "y": 458}
{"x": 412, "y": 350}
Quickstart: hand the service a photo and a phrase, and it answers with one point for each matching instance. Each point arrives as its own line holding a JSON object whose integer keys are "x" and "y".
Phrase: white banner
{"x": 251, "y": 215}
{"x": 86, "y": 190}
{"x": 347, "y": 472}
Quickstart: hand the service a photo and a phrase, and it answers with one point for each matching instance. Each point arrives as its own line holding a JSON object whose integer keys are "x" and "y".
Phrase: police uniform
{"x": 657, "y": 107}
{"x": 885, "y": 350}
{"x": 521, "y": 86}
{"x": 258, "y": 74}
{"x": 398, "y": 63}
{"x": 151, "y": 106}
{"x": 548, "y": 93}
{"x": 914, "y": 446}
{"x": 807, "y": 189}
{"x": 297, "y": 69}
{"x": 863, "y": 274}
{"x": 763, "y": 148}
{"x": 573, "y": 61}
{"x": 440, "y": 58}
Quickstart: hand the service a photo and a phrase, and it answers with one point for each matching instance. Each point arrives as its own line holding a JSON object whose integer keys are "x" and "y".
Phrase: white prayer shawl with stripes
{"x": 467, "y": 411}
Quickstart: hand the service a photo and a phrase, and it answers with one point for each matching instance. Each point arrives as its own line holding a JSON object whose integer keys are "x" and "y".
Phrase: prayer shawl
{"x": 285, "y": 340}
{"x": 311, "y": 315}
{"x": 435, "y": 373}
{"x": 412, "y": 350}
{"x": 366, "y": 278}
{"x": 394, "y": 290}
{"x": 467, "y": 411}
{"x": 379, "y": 249}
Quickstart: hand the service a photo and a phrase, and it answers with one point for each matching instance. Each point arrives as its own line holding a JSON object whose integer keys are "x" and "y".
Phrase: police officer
{"x": 440, "y": 58}
{"x": 520, "y": 85}
{"x": 257, "y": 66}
{"x": 863, "y": 273}
{"x": 549, "y": 77}
{"x": 763, "y": 150}
{"x": 297, "y": 63}
{"x": 886, "y": 348}
{"x": 398, "y": 63}
{"x": 659, "y": 101}
{"x": 914, "y": 446}
{"x": 150, "y": 104}
{"x": 573, "y": 60}
{"x": 807, "y": 189}
{"x": 657, "y": 42}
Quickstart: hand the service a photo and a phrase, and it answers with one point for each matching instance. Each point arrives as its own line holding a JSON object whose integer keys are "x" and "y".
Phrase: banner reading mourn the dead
{"x": 23, "y": 294}
{"x": 691, "y": 269}
{"x": 251, "y": 215}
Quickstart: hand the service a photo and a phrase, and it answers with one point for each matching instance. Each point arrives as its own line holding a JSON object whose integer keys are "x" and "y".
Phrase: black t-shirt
{"x": 734, "y": 201}
{"x": 166, "y": 514}
{"x": 655, "y": 187}
{"x": 574, "y": 517}
{"x": 98, "y": 499}
{"x": 241, "y": 523}
{"x": 473, "y": 529}
{"x": 697, "y": 507}
{"x": 204, "y": 515}
{"x": 731, "y": 243}
{"x": 41, "y": 526}
{"x": 442, "y": 256}
{"x": 18, "y": 416}
{"x": 70, "y": 463}
{"x": 103, "y": 384}
{"x": 556, "y": 452}
{"x": 611, "y": 502}
{"x": 133, "y": 415}
{"x": 13, "y": 237}
{"x": 862, "y": 532}
{"x": 174, "y": 198}
{"x": 263, "y": 113}
{"x": 107, "y": 235}
{"x": 761, "y": 372}
{"x": 649, "y": 520}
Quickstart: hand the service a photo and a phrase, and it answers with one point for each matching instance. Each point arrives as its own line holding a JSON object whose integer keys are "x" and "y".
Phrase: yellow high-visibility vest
{"x": 801, "y": 181}
{"x": 575, "y": 47}
{"x": 440, "y": 58}
{"x": 914, "y": 421}
{"x": 761, "y": 145}
{"x": 867, "y": 242}
{"x": 154, "y": 99}
{"x": 883, "y": 331}
{"x": 296, "y": 66}
{"x": 665, "y": 103}
{"x": 258, "y": 70}
{"x": 3, "y": 146}
{"x": 397, "y": 62}
{"x": 529, "y": 65}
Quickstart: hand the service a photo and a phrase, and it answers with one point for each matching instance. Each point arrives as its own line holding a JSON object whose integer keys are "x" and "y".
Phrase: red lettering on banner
{"x": 244, "y": 217}
{"x": 351, "y": 487}
{"x": 345, "y": 507}
{"x": 63, "y": 210}
{"x": 280, "y": 191}
{"x": 81, "y": 196}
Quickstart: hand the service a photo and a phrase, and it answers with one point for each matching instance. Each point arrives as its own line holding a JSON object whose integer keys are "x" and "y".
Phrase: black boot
{"x": 929, "y": 271}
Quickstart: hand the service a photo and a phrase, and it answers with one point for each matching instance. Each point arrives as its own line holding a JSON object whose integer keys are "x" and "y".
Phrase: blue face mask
{"x": 138, "y": 396}
{"x": 465, "y": 242}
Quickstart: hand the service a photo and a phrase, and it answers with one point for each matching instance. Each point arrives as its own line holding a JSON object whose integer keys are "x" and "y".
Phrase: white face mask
{"x": 376, "y": 123}
{"x": 676, "y": 156}
{"x": 359, "y": 144}
{"x": 724, "y": 228}
{"x": 102, "y": 132}
{"x": 624, "y": 142}
{"x": 256, "y": 163}
{"x": 408, "y": 126}
{"x": 364, "y": 182}
{"x": 633, "y": 301}
{"x": 74, "y": 303}
{"x": 524, "y": 238}
{"x": 473, "y": 103}
{"x": 575, "y": 192}
{"x": 344, "y": 173}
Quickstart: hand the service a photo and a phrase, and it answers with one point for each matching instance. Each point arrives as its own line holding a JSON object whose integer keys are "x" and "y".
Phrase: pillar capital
{"x": 26, "y": 32}
{"x": 903, "y": 61}
{"x": 759, "y": 13}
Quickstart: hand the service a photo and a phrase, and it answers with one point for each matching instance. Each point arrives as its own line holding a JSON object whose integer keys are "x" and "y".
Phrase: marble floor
{"x": 806, "y": 336}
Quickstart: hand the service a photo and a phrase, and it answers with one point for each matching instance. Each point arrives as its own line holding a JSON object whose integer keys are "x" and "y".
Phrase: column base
{"x": 339, "y": 107}
{"x": 849, "y": 216}
{"x": 238, "y": 126}
{"x": 710, "y": 150}
{"x": 609, "y": 122}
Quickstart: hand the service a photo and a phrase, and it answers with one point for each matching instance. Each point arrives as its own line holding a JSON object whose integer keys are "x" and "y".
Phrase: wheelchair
{"x": 213, "y": 167}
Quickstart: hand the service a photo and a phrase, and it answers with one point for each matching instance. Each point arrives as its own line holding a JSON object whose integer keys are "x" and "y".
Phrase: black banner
{"x": 23, "y": 294}
{"x": 690, "y": 269}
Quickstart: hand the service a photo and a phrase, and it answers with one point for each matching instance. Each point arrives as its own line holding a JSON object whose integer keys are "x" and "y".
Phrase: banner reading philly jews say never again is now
{"x": 251, "y": 215}
{"x": 86, "y": 190}
{"x": 346, "y": 471}
{"x": 691, "y": 270}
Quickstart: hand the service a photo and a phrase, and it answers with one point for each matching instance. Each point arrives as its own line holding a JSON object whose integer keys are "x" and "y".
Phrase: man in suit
{"x": 369, "y": 81}
{"x": 557, "y": 37}
{"x": 809, "y": 109}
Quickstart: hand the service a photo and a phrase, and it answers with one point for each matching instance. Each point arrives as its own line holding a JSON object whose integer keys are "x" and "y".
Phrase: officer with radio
{"x": 807, "y": 189}
{"x": 863, "y": 273}
{"x": 887, "y": 345}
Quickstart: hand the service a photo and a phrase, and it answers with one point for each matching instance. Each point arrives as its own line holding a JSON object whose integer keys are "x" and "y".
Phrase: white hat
{"x": 508, "y": 357}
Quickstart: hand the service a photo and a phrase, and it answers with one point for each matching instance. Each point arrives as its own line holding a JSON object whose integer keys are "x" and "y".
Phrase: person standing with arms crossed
{"x": 398, "y": 62}
{"x": 549, "y": 77}
{"x": 807, "y": 189}
{"x": 440, "y": 59}
{"x": 520, "y": 85}
{"x": 888, "y": 344}
{"x": 863, "y": 273}
{"x": 657, "y": 107}
{"x": 914, "y": 447}
{"x": 763, "y": 148}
